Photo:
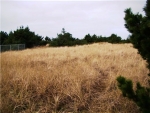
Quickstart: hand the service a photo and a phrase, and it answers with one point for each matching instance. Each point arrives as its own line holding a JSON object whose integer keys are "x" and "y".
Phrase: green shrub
{"x": 141, "y": 96}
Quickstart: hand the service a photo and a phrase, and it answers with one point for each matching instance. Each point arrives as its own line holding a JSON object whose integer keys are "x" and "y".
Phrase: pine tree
{"x": 139, "y": 27}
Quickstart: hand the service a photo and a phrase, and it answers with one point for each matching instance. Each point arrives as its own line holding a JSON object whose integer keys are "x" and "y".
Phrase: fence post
{"x": 10, "y": 47}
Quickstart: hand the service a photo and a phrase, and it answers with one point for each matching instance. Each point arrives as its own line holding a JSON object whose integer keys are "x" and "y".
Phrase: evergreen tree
{"x": 114, "y": 39}
{"x": 47, "y": 39}
{"x": 94, "y": 38}
{"x": 139, "y": 27}
{"x": 88, "y": 38}
{"x": 3, "y": 37}
{"x": 23, "y": 36}
{"x": 63, "y": 39}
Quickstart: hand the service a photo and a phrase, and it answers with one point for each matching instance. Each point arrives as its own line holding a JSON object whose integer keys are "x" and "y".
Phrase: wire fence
{"x": 12, "y": 47}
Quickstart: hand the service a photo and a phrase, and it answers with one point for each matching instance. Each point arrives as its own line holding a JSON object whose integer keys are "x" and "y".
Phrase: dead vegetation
{"x": 69, "y": 79}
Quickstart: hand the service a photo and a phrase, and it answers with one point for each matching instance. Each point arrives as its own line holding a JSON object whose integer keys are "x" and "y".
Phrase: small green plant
{"x": 141, "y": 96}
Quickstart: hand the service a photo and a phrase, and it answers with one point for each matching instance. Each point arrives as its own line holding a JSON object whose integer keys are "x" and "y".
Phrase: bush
{"x": 141, "y": 96}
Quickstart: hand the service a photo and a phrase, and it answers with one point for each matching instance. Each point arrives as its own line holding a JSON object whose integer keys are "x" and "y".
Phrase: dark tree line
{"x": 23, "y": 36}
{"x": 30, "y": 39}
{"x": 139, "y": 27}
{"x": 66, "y": 39}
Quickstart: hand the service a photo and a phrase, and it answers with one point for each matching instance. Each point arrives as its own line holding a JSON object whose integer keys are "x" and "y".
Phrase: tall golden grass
{"x": 79, "y": 79}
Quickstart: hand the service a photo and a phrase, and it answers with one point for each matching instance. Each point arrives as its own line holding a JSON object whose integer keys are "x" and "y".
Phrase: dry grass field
{"x": 80, "y": 79}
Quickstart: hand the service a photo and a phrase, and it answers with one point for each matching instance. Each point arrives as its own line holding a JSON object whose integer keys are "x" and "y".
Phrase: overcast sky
{"x": 47, "y": 18}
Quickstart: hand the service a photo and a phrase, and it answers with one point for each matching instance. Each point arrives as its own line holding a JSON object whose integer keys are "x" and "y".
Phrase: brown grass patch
{"x": 70, "y": 79}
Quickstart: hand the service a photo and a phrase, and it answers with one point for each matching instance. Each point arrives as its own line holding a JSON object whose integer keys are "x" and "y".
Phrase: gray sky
{"x": 47, "y": 18}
